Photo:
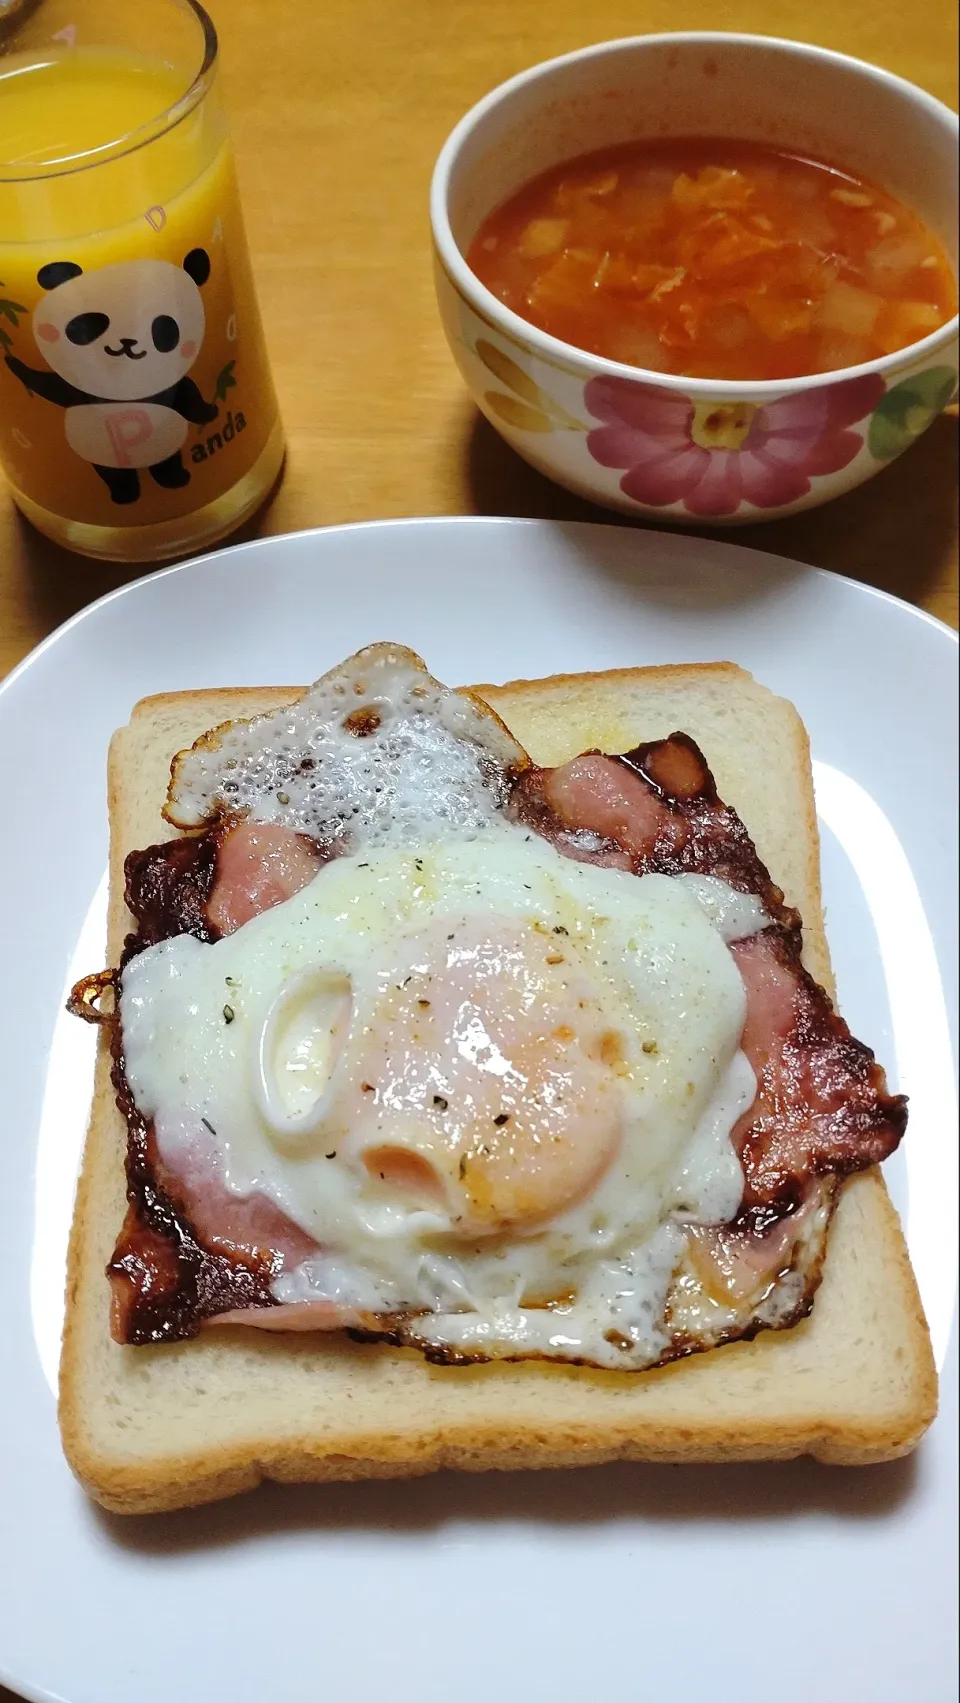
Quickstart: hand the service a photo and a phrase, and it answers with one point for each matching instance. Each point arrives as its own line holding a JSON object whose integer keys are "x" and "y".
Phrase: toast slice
{"x": 147, "y": 1429}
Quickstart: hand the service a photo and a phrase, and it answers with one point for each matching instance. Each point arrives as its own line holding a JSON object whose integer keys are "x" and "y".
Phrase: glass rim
{"x": 143, "y": 134}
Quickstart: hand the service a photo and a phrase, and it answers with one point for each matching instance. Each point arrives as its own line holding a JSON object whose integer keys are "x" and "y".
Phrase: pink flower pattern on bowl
{"x": 713, "y": 456}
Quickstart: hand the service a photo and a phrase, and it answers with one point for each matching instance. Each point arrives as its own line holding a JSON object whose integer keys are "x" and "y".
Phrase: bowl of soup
{"x": 702, "y": 277}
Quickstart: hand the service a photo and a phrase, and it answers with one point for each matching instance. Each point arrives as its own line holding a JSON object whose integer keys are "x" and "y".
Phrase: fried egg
{"x": 492, "y": 1083}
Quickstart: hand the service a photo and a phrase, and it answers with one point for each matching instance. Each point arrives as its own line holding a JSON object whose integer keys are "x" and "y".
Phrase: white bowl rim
{"x": 524, "y": 332}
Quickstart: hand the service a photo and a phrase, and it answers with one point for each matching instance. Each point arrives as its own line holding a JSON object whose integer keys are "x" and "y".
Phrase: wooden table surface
{"x": 338, "y": 112}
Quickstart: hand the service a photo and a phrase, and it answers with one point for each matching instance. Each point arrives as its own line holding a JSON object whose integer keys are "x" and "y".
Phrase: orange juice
{"x": 137, "y": 413}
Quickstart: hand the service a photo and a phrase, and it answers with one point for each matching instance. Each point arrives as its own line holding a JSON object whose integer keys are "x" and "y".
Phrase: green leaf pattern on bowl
{"x": 908, "y": 409}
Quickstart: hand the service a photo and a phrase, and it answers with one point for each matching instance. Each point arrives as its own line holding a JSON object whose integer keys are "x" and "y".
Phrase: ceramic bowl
{"x": 681, "y": 448}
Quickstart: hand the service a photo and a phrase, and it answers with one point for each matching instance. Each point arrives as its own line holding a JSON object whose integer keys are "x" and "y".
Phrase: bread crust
{"x": 148, "y": 1430}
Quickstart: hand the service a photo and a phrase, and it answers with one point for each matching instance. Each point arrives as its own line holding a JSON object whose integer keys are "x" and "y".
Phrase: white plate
{"x": 624, "y": 1583}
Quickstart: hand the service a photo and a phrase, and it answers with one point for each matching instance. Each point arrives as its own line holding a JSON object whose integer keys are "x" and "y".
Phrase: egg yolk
{"x": 481, "y": 1080}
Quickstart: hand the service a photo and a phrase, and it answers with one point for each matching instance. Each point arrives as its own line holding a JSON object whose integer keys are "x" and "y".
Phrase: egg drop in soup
{"x": 716, "y": 260}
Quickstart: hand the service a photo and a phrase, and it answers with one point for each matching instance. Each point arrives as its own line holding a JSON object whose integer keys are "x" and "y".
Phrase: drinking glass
{"x": 138, "y": 418}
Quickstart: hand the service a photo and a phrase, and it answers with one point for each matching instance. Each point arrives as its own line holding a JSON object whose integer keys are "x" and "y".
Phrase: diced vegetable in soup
{"x": 716, "y": 259}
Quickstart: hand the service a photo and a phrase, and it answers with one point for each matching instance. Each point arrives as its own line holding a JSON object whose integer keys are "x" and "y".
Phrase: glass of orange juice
{"x": 138, "y": 418}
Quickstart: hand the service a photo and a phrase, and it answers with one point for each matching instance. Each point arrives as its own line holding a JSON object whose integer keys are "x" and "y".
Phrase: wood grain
{"x": 338, "y": 113}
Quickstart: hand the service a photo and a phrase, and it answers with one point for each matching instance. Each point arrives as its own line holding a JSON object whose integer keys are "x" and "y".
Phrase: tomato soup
{"x": 716, "y": 259}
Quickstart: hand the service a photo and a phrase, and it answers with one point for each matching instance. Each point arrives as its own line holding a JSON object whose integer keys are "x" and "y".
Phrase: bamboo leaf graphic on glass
{"x": 528, "y": 409}
{"x": 225, "y": 382}
{"x": 11, "y": 311}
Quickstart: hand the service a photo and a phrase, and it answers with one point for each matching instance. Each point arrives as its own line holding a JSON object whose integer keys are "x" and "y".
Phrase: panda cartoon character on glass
{"x": 120, "y": 341}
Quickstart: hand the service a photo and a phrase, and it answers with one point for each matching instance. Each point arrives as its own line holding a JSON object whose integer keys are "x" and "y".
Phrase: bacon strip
{"x": 654, "y": 808}
{"x": 248, "y": 1227}
{"x": 822, "y": 1103}
{"x": 164, "y": 1281}
{"x": 257, "y": 867}
{"x": 189, "y": 1250}
{"x": 211, "y": 884}
{"x": 189, "y": 1254}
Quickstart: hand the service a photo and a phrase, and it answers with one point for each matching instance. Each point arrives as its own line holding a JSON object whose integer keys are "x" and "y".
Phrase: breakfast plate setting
{"x": 579, "y": 598}
{"x": 481, "y": 1015}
